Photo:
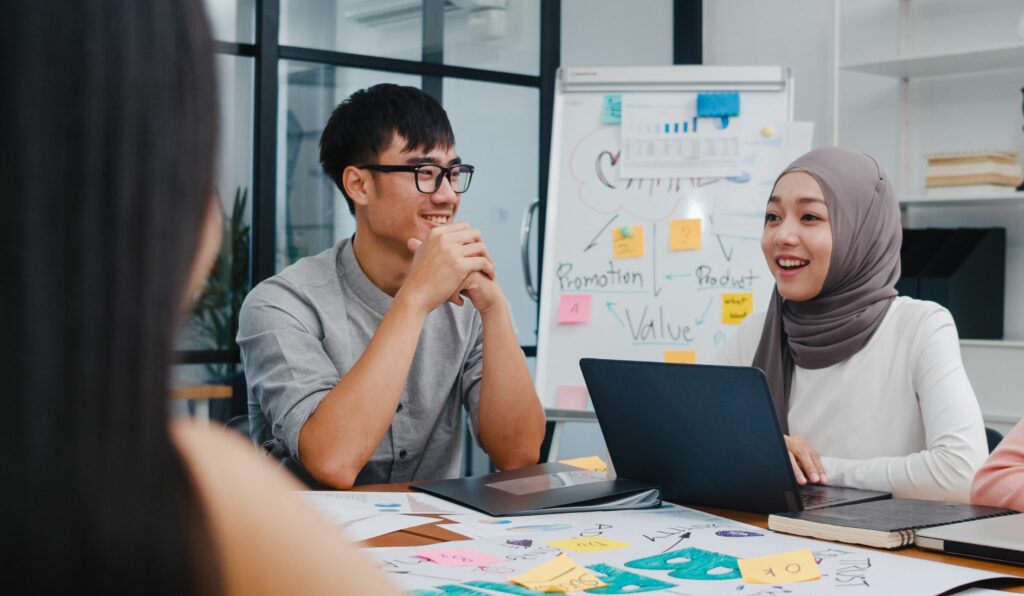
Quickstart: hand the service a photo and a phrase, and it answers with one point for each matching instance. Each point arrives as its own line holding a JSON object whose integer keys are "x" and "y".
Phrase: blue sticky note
{"x": 611, "y": 112}
{"x": 718, "y": 105}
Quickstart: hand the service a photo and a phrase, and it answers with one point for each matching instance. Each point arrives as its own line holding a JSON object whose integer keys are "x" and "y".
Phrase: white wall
{"x": 616, "y": 33}
{"x": 793, "y": 33}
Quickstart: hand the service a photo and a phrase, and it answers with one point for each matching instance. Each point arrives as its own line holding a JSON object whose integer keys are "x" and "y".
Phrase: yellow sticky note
{"x": 787, "y": 568}
{"x": 593, "y": 463}
{"x": 561, "y": 575}
{"x": 736, "y": 307}
{"x": 681, "y": 357}
{"x": 684, "y": 234}
{"x": 628, "y": 242}
{"x": 584, "y": 544}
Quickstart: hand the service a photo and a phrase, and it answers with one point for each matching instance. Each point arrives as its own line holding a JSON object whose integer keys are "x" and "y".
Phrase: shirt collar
{"x": 364, "y": 289}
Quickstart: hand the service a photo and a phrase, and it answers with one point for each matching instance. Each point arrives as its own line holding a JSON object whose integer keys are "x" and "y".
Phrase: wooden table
{"x": 433, "y": 534}
{"x": 202, "y": 394}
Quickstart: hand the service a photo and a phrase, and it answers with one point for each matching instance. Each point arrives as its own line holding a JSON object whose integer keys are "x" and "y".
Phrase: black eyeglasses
{"x": 428, "y": 177}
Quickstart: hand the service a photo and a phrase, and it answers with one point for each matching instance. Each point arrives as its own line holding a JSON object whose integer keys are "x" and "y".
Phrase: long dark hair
{"x": 108, "y": 136}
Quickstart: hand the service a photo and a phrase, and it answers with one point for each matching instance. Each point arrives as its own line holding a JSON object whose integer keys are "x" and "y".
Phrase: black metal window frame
{"x": 267, "y": 54}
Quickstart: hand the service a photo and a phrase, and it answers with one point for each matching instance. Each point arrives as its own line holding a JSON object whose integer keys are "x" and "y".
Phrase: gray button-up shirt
{"x": 303, "y": 329}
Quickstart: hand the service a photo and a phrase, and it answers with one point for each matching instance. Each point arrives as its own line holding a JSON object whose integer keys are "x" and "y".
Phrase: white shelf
{"x": 993, "y": 343}
{"x": 1004, "y": 57}
{"x": 983, "y": 200}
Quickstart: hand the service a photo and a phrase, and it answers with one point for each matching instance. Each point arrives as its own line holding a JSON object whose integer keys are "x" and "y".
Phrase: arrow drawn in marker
{"x": 593, "y": 242}
{"x": 726, "y": 253}
{"x": 611, "y": 309}
{"x": 672, "y": 276}
{"x": 700, "y": 319}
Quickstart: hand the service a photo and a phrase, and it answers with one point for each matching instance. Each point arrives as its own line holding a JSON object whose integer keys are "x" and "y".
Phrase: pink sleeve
{"x": 1000, "y": 482}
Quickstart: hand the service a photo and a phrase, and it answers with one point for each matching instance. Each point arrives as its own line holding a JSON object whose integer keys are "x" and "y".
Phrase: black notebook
{"x": 883, "y": 524}
{"x": 545, "y": 488}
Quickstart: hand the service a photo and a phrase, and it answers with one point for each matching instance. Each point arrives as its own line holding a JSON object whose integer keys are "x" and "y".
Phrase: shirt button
{"x": 400, "y": 406}
{"x": 403, "y": 454}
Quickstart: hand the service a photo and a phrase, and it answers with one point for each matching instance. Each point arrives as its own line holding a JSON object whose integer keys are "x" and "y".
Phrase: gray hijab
{"x": 859, "y": 285}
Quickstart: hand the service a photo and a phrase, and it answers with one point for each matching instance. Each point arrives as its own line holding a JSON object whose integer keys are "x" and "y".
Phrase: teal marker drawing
{"x": 691, "y": 563}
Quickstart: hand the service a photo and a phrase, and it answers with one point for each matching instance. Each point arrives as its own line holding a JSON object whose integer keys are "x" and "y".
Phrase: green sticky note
{"x": 611, "y": 112}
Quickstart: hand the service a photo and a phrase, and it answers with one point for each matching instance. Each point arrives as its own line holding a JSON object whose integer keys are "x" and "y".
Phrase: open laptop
{"x": 707, "y": 435}
{"x": 995, "y": 538}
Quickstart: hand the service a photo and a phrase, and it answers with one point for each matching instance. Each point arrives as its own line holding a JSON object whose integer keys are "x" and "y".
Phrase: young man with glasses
{"x": 360, "y": 360}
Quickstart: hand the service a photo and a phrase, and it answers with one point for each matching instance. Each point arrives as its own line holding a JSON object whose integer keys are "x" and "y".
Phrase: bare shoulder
{"x": 269, "y": 542}
{"x": 220, "y": 459}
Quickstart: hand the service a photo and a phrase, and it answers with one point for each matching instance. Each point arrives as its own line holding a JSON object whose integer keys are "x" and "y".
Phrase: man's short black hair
{"x": 362, "y": 126}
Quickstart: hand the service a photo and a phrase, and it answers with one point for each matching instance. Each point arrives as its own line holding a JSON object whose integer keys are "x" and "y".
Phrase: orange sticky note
{"x": 736, "y": 307}
{"x": 787, "y": 568}
{"x": 588, "y": 544}
{"x": 628, "y": 242}
{"x": 684, "y": 234}
{"x": 561, "y": 575}
{"x": 681, "y": 357}
{"x": 574, "y": 308}
{"x": 592, "y": 463}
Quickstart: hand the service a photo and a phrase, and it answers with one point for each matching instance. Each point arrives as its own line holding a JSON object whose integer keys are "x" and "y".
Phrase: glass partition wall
{"x": 285, "y": 64}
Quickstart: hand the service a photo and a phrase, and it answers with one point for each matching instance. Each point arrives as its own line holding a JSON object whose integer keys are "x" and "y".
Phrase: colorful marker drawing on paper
{"x": 691, "y": 563}
{"x": 736, "y": 534}
{"x": 594, "y": 167}
{"x": 574, "y": 308}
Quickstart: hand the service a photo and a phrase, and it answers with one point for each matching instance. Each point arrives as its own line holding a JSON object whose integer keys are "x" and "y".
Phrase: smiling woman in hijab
{"x": 868, "y": 386}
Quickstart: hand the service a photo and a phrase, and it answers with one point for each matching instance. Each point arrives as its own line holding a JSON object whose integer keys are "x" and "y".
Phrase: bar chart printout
{"x": 663, "y": 138}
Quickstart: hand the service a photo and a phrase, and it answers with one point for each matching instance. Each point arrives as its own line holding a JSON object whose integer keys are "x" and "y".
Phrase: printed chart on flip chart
{"x": 659, "y": 180}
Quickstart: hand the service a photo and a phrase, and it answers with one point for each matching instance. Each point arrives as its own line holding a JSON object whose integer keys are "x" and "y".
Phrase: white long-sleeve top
{"x": 899, "y": 415}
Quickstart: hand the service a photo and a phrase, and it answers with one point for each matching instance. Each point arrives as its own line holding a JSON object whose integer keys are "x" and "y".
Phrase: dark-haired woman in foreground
{"x": 110, "y": 111}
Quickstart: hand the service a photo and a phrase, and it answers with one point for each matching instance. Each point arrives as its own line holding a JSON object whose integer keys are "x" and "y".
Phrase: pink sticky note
{"x": 572, "y": 397}
{"x": 457, "y": 557}
{"x": 574, "y": 308}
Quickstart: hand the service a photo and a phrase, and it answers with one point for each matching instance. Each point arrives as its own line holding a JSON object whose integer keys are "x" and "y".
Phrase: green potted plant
{"x": 215, "y": 317}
